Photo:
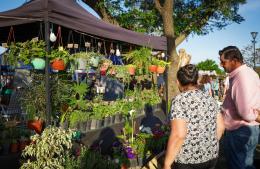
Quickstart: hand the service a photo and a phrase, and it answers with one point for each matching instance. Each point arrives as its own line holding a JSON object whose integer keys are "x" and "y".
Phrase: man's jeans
{"x": 240, "y": 145}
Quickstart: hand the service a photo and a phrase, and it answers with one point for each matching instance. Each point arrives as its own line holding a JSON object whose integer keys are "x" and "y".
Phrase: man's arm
{"x": 258, "y": 117}
{"x": 175, "y": 142}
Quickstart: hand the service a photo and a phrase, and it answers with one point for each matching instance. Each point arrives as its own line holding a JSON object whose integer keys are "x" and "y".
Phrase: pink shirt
{"x": 243, "y": 96}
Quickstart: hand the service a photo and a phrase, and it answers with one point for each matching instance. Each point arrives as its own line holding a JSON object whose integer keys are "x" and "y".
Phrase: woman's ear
{"x": 179, "y": 85}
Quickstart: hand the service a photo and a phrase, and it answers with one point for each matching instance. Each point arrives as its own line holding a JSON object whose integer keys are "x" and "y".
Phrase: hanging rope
{"x": 59, "y": 38}
{"x": 10, "y": 36}
{"x": 40, "y": 34}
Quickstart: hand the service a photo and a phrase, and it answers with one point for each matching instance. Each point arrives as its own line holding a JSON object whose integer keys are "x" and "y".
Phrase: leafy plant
{"x": 59, "y": 54}
{"x": 48, "y": 149}
{"x": 25, "y": 52}
{"x": 33, "y": 100}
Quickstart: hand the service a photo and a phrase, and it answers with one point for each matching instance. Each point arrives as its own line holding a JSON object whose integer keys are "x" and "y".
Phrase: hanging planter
{"x": 58, "y": 64}
{"x": 160, "y": 69}
{"x": 131, "y": 69}
{"x": 82, "y": 63}
{"x": 152, "y": 68}
{"x": 38, "y": 63}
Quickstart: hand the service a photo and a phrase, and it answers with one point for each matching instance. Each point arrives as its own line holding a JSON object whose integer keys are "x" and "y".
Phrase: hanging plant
{"x": 25, "y": 52}
{"x": 59, "y": 59}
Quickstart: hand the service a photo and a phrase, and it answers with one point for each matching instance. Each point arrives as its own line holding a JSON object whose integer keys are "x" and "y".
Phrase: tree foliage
{"x": 190, "y": 16}
{"x": 175, "y": 19}
{"x": 209, "y": 65}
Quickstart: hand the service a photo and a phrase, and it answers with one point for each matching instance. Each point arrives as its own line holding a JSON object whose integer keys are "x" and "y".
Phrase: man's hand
{"x": 258, "y": 117}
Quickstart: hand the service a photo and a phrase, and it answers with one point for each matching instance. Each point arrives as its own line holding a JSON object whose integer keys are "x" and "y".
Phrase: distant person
{"x": 206, "y": 85}
{"x": 196, "y": 125}
{"x": 215, "y": 87}
{"x": 239, "y": 110}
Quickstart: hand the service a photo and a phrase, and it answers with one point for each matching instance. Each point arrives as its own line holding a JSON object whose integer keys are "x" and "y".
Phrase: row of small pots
{"x": 93, "y": 124}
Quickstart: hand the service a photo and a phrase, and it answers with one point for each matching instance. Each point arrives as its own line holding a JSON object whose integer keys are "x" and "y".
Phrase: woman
{"x": 196, "y": 125}
{"x": 206, "y": 86}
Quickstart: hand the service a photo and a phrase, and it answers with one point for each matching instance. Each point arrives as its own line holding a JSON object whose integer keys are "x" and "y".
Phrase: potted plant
{"x": 161, "y": 65}
{"x": 48, "y": 149}
{"x": 27, "y": 52}
{"x": 33, "y": 102}
{"x": 140, "y": 58}
{"x": 59, "y": 58}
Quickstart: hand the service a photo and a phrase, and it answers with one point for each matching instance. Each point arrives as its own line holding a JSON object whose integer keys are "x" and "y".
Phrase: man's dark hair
{"x": 231, "y": 53}
{"x": 188, "y": 75}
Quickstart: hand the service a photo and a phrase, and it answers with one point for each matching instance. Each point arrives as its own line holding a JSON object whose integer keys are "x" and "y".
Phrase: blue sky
{"x": 206, "y": 47}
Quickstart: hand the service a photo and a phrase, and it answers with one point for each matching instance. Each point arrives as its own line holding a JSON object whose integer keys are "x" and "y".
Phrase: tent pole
{"x": 166, "y": 85}
{"x": 47, "y": 76}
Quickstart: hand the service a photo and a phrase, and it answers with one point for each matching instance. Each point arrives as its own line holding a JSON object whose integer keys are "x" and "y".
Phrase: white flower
{"x": 131, "y": 112}
{"x": 116, "y": 160}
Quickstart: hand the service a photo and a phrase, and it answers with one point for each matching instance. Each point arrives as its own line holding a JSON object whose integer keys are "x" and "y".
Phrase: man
{"x": 239, "y": 109}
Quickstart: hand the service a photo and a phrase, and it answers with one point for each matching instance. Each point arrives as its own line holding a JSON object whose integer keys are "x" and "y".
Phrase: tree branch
{"x": 180, "y": 39}
{"x": 158, "y": 6}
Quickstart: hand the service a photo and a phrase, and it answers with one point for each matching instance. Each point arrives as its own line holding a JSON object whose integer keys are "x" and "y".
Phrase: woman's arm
{"x": 220, "y": 126}
{"x": 175, "y": 142}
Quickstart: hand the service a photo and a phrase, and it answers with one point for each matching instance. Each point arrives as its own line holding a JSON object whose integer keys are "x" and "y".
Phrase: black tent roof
{"x": 69, "y": 14}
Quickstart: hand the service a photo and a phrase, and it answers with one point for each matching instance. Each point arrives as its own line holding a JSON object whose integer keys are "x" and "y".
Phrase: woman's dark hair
{"x": 188, "y": 75}
{"x": 231, "y": 53}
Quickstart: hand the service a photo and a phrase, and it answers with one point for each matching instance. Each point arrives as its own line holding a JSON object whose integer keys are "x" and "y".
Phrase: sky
{"x": 205, "y": 47}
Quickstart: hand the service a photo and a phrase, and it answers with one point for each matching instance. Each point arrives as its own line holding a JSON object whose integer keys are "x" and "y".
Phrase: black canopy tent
{"x": 69, "y": 14}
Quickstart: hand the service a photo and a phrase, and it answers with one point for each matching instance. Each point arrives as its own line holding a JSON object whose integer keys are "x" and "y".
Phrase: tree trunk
{"x": 168, "y": 23}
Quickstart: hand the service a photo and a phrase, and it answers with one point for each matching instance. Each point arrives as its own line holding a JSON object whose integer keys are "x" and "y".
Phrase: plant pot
{"x": 103, "y": 71}
{"x": 82, "y": 63}
{"x": 124, "y": 166}
{"x": 22, "y": 145}
{"x": 112, "y": 119}
{"x": 58, "y": 64}
{"x": 99, "y": 123}
{"x": 88, "y": 125}
{"x": 35, "y": 125}
{"x": 160, "y": 69}
{"x": 152, "y": 68}
{"x": 94, "y": 61}
{"x": 131, "y": 70}
{"x": 93, "y": 124}
{"x": 38, "y": 63}
{"x": 118, "y": 118}
{"x": 14, "y": 147}
{"x": 106, "y": 121}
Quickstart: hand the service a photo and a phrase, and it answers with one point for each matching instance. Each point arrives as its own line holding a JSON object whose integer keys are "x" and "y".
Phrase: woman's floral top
{"x": 200, "y": 112}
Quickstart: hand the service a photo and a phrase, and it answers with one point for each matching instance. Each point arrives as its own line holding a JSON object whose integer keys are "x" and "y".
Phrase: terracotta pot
{"x": 58, "y": 64}
{"x": 124, "y": 166}
{"x": 160, "y": 69}
{"x": 152, "y": 68}
{"x": 14, "y": 147}
{"x": 35, "y": 125}
{"x": 131, "y": 70}
{"x": 22, "y": 145}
